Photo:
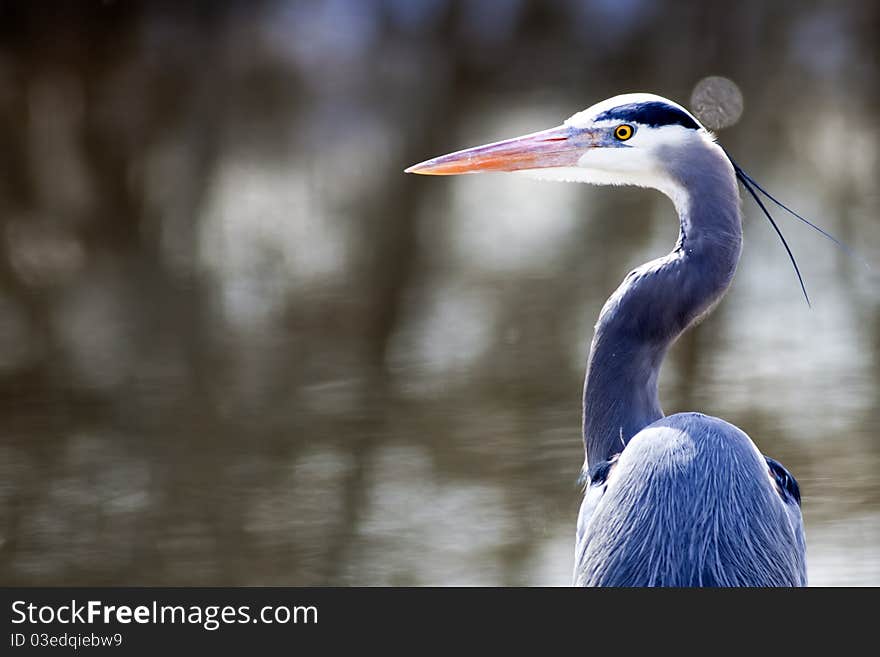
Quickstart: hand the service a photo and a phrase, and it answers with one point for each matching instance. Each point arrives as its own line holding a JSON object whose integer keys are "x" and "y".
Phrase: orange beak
{"x": 556, "y": 147}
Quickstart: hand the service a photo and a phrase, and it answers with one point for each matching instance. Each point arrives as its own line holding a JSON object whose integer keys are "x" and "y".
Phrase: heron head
{"x": 625, "y": 140}
{"x": 631, "y": 139}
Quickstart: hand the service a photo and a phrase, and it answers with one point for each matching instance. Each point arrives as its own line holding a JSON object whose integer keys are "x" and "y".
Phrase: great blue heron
{"x": 688, "y": 499}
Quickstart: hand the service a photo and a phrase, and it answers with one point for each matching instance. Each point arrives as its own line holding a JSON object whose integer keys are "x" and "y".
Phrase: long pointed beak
{"x": 557, "y": 147}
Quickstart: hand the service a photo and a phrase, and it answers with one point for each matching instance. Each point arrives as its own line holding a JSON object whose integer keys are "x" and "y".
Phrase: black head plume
{"x": 753, "y": 188}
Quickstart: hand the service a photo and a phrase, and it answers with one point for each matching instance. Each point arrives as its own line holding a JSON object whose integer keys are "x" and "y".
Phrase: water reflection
{"x": 238, "y": 346}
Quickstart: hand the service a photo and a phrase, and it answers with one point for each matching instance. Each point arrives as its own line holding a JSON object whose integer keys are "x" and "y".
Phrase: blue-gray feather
{"x": 658, "y": 301}
{"x": 689, "y": 501}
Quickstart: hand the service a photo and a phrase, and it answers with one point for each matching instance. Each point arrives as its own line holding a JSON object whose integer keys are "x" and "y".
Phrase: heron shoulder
{"x": 689, "y": 501}
{"x": 677, "y": 440}
{"x": 683, "y": 435}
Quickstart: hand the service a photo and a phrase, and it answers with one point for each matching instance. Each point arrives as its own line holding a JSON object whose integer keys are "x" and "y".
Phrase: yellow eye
{"x": 623, "y": 132}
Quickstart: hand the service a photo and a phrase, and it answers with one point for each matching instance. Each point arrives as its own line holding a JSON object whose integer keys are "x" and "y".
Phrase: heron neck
{"x": 657, "y": 302}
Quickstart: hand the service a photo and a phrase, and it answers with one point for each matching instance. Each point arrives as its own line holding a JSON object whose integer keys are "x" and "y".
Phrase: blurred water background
{"x": 239, "y": 346}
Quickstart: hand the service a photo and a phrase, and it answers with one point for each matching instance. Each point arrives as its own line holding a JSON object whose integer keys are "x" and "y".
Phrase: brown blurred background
{"x": 239, "y": 346}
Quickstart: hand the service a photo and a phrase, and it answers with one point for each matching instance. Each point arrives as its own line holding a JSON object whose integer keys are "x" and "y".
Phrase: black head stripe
{"x": 652, "y": 113}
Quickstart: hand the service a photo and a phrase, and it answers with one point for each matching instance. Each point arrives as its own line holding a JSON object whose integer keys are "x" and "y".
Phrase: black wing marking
{"x": 788, "y": 485}
{"x": 600, "y": 473}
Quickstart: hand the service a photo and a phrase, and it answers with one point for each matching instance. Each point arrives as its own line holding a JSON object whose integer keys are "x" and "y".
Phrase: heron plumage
{"x": 689, "y": 502}
{"x": 684, "y": 500}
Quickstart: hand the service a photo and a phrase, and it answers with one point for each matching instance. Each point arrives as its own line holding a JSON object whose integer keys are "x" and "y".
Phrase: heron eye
{"x": 623, "y": 132}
